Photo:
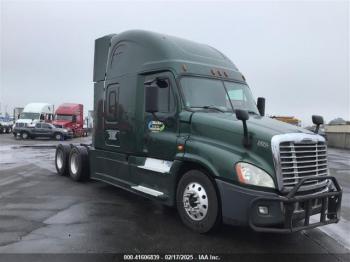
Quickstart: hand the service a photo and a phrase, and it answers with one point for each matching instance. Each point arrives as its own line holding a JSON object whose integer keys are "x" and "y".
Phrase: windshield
{"x": 27, "y": 115}
{"x": 211, "y": 94}
{"x": 64, "y": 117}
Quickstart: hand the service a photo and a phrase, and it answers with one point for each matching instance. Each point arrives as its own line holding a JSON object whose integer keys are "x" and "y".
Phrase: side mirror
{"x": 261, "y": 105}
{"x": 162, "y": 82}
{"x": 317, "y": 120}
{"x": 244, "y": 116}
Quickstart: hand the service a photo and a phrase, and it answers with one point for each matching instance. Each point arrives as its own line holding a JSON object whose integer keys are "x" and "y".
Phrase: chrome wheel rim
{"x": 59, "y": 159}
{"x": 25, "y": 135}
{"x": 195, "y": 201}
{"x": 58, "y": 137}
{"x": 74, "y": 163}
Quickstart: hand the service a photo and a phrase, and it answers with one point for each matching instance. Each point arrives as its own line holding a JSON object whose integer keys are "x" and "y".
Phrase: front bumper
{"x": 290, "y": 213}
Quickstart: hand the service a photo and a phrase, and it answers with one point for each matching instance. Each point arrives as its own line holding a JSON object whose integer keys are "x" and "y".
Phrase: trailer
{"x": 175, "y": 121}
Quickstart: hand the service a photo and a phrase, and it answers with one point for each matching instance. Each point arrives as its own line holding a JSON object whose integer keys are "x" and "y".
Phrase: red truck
{"x": 70, "y": 116}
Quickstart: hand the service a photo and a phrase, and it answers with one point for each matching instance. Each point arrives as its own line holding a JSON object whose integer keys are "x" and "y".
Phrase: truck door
{"x": 46, "y": 130}
{"x": 151, "y": 170}
{"x": 161, "y": 129}
{"x": 37, "y": 130}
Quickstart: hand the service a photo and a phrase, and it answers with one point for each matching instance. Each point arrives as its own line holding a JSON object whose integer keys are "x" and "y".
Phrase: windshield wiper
{"x": 210, "y": 107}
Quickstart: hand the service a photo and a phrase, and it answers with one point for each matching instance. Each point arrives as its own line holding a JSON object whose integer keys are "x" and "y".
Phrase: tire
{"x": 25, "y": 135}
{"x": 61, "y": 159}
{"x": 4, "y": 129}
{"x": 79, "y": 164}
{"x": 58, "y": 136}
{"x": 195, "y": 186}
{"x": 8, "y": 130}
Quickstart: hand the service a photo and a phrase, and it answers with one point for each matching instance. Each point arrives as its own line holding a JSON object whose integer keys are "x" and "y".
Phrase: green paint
{"x": 212, "y": 139}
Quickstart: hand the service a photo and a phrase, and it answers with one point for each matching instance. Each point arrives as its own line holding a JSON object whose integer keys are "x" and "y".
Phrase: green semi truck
{"x": 176, "y": 122}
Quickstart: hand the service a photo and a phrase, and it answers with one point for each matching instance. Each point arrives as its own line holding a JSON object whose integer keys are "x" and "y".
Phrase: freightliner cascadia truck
{"x": 175, "y": 121}
{"x": 70, "y": 116}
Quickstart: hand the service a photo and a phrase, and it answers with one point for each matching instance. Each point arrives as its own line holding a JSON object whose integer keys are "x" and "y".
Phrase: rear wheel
{"x": 9, "y": 130}
{"x": 197, "y": 202}
{"x": 25, "y": 135}
{"x": 62, "y": 158}
{"x": 79, "y": 163}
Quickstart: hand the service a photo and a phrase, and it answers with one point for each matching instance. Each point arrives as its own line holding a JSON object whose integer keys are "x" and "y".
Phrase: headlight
{"x": 65, "y": 130}
{"x": 252, "y": 175}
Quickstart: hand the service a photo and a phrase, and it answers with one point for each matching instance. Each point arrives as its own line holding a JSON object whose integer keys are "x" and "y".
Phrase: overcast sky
{"x": 296, "y": 54}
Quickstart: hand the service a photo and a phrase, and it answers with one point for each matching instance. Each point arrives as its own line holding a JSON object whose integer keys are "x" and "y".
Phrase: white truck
{"x": 34, "y": 113}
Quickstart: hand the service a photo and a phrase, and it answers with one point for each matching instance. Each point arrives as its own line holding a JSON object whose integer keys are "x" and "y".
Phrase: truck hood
{"x": 222, "y": 132}
{"x": 24, "y": 121}
{"x": 27, "y": 121}
{"x": 260, "y": 127}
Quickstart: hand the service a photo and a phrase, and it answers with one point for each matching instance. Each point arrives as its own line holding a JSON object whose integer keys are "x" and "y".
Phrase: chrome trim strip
{"x": 148, "y": 191}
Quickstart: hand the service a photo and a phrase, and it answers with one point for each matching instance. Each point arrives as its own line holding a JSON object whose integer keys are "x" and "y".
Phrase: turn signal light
{"x": 180, "y": 147}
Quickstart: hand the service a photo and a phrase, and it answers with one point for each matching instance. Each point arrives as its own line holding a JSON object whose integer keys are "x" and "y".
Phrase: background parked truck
{"x": 70, "y": 116}
{"x": 6, "y": 123}
{"x": 34, "y": 113}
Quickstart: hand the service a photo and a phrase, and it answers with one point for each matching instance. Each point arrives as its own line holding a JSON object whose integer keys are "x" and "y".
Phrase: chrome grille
{"x": 300, "y": 160}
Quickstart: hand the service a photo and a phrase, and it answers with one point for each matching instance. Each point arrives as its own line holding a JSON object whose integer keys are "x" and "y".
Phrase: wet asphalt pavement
{"x": 41, "y": 212}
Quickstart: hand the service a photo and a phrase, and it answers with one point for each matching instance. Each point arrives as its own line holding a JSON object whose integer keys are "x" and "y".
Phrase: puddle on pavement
{"x": 16, "y": 156}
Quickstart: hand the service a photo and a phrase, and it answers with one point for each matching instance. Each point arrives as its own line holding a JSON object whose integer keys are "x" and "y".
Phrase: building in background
{"x": 338, "y": 135}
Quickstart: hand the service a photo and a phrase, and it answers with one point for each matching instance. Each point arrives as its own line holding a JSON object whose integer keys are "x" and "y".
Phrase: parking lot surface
{"x": 41, "y": 212}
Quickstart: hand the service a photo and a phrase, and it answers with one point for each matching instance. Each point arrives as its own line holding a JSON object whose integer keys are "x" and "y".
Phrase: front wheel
{"x": 197, "y": 202}
{"x": 58, "y": 136}
{"x": 25, "y": 135}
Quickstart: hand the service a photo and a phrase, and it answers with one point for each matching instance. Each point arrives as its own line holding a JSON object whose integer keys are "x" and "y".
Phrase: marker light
{"x": 252, "y": 175}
